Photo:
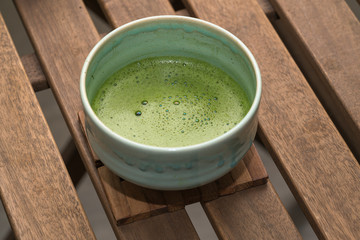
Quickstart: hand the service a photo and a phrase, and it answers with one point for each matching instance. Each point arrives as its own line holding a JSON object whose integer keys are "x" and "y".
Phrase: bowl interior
{"x": 170, "y": 37}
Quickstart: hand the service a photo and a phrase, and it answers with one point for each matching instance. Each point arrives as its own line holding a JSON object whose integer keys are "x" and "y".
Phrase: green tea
{"x": 170, "y": 102}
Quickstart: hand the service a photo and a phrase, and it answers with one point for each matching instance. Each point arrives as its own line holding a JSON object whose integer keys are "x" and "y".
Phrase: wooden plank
{"x": 156, "y": 201}
{"x": 209, "y": 192}
{"x": 327, "y": 49}
{"x": 254, "y": 166}
{"x": 249, "y": 172}
{"x": 61, "y": 54}
{"x": 114, "y": 192}
{"x": 136, "y": 199}
{"x": 121, "y": 12}
{"x": 131, "y": 203}
{"x": 240, "y": 176}
{"x": 311, "y": 154}
{"x": 34, "y": 71}
{"x": 265, "y": 5}
{"x": 36, "y": 190}
{"x": 225, "y": 185}
{"x": 174, "y": 225}
{"x": 174, "y": 200}
{"x": 128, "y": 202}
{"x": 182, "y": 12}
{"x": 255, "y": 213}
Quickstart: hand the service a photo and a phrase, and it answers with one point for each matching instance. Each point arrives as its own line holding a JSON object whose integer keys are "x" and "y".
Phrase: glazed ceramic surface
{"x": 179, "y": 167}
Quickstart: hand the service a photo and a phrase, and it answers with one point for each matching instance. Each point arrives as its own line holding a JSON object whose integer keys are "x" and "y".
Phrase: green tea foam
{"x": 170, "y": 102}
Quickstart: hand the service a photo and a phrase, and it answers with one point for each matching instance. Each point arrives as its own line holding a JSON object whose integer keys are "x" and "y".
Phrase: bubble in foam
{"x": 144, "y": 102}
{"x": 176, "y": 102}
{"x": 138, "y": 113}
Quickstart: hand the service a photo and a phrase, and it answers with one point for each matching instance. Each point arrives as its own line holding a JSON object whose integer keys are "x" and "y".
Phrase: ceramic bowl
{"x": 172, "y": 168}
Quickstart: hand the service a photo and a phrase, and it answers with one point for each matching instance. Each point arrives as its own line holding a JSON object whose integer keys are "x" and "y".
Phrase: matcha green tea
{"x": 170, "y": 102}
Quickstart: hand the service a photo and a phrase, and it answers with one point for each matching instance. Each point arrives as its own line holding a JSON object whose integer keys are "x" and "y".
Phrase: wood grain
{"x": 37, "y": 77}
{"x": 36, "y": 190}
{"x": 63, "y": 34}
{"x": 328, "y": 51}
{"x": 255, "y": 213}
{"x": 225, "y": 185}
{"x": 209, "y": 191}
{"x": 130, "y": 203}
{"x": 256, "y": 172}
{"x": 121, "y": 12}
{"x": 34, "y": 71}
{"x": 241, "y": 174}
{"x": 311, "y": 154}
{"x": 114, "y": 192}
{"x": 174, "y": 225}
{"x": 183, "y": 12}
{"x": 174, "y": 200}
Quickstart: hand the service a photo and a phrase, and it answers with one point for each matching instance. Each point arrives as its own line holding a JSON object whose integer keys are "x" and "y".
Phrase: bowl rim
{"x": 139, "y": 146}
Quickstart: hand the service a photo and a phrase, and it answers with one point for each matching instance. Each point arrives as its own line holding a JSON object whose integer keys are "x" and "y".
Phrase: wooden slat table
{"x": 309, "y": 150}
{"x": 303, "y": 141}
{"x": 36, "y": 190}
{"x": 326, "y": 46}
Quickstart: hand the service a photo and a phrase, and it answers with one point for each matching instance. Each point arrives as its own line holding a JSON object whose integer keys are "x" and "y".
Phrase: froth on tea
{"x": 170, "y": 101}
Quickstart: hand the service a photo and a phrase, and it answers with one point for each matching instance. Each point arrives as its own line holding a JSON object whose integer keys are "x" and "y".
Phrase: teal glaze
{"x": 180, "y": 167}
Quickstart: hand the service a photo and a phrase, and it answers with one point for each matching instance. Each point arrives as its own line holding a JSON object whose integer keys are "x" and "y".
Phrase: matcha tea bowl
{"x": 170, "y": 102}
